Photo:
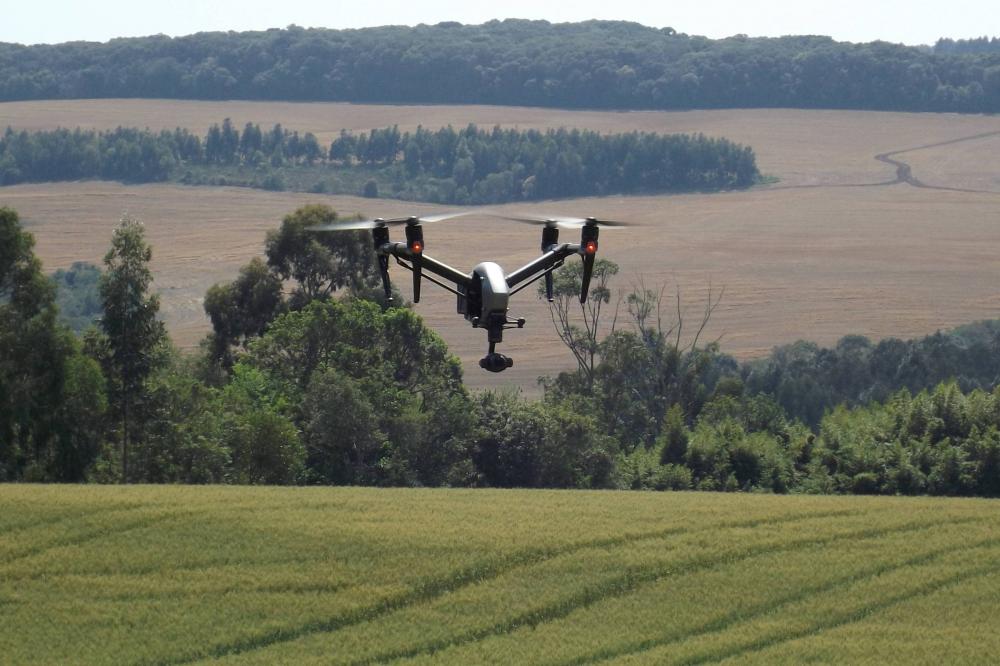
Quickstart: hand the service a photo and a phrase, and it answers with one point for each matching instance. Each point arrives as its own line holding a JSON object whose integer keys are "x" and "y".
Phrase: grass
{"x": 173, "y": 575}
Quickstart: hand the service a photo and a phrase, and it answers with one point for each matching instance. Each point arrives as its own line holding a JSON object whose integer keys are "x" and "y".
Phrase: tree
{"x": 27, "y": 319}
{"x": 632, "y": 377}
{"x": 377, "y": 396}
{"x": 78, "y": 295}
{"x": 538, "y": 444}
{"x": 343, "y": 441}
{"x": 320, "y": 263}
{"x": 262, "y": 439}
{"x": 567, "y": 283}
{"x": 183, "y": 439}
{"x": 242, "y": 309}
{"x": 52, "y": 397}
{"x": 130, "y": 323}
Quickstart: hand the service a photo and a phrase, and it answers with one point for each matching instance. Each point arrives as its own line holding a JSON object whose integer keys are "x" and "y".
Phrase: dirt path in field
{"x": 904, "y": 173}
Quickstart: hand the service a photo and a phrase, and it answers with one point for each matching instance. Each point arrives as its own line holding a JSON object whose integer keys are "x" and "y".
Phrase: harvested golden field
{"x": 843, "y": 243}
{"x": 179, "y": 575}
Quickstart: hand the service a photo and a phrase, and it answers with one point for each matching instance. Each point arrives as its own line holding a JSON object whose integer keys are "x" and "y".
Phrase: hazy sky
{"x": 907, "y": 21}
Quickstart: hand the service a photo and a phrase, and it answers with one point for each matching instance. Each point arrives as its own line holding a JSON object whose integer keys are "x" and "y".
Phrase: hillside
{"x": 593, "y": 64}
{"x": 839, "y": 245}
{"x": 174, "y": 575}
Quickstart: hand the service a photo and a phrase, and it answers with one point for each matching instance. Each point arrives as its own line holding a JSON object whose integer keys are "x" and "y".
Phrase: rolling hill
{"x": 178, "y": 575}
{"x": 840, "y": 244}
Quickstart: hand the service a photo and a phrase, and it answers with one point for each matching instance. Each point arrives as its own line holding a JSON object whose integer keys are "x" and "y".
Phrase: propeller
{"x": 564, "y": 221}
{"x": 356, "y": 225}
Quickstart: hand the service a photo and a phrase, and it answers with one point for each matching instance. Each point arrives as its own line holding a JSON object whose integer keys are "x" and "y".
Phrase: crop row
{"x": 178, "y": 575}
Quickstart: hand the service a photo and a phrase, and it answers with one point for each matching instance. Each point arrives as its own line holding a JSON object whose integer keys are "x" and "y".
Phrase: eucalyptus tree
{"x": 130, "y": 322}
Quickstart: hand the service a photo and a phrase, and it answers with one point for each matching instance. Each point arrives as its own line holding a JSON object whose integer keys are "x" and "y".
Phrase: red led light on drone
{"x": 590, "y": 247}
{"x": 417, "y": 247}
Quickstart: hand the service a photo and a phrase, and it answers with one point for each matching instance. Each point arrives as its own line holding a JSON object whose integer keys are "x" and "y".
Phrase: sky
{"x": 904, "y": 21}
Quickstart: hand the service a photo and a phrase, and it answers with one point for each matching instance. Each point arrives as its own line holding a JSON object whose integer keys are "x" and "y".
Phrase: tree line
{"x": 309, "y": 378}
{"x": 466, "y": 166}
{"x": 962, "y": 46}
{"x": 593, "y": 64}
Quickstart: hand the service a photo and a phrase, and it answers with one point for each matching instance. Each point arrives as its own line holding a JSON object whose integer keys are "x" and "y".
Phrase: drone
{"x": 484, "y": 293}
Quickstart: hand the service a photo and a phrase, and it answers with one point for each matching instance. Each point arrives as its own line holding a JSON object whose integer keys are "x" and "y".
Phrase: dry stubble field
{"x": 839, "y": 245}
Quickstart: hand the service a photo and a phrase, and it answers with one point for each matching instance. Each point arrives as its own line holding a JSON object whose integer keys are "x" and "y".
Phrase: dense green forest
{"x": 469, "y": 165}
{"x": 305, "y": 388}
{"x": 977, "y": 45}
{"x": 594, "y": 64}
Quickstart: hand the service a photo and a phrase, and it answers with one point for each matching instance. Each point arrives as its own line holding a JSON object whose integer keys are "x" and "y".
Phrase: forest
{"x": 466, "y": 166}
{"x": 593, "y": 64}
{"x": 976, "y": 45}
{"x": 308, "y": 377}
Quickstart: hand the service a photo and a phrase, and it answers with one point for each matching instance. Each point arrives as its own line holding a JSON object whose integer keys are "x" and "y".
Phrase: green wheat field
{"x": 179, "y": 575}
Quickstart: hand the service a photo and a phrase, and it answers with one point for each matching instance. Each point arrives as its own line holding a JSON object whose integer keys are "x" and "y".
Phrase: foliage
{"x": 52, "y": 397}
{"x": 263, "y": 442}
{"x": 134, "y": 334}
{"x": 380, "y": 397}
{"x": 962, "y": 46}
{"x": 807, "y": 380}
{"x": 592, "y": 64}
{"x": 631, "y": 378}
{"x": 521, "y": 444}
{"x": 320, "y": 263}
{"x": 78, "y": 295}
{"x": 447, "y": 166}
{"x": 941, "y": 442}
{"x": 350, "y": 391}
{"x": 182, "y": 440}
{"x": 474, "y": 165}
{"x": 242, "y": 309}
{"x": 567, "y": 283}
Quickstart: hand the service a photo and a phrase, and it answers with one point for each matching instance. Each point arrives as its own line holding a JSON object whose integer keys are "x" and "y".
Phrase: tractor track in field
{"x": 746, "y": 615}
{"x": 904, "y": 172}
{"x": 466, "y": 576}
{"x": 68, "y": 516}
{"x": 851, "y": 617}
{"x": 629, "y": 583}
{"x": 86, "y": 536}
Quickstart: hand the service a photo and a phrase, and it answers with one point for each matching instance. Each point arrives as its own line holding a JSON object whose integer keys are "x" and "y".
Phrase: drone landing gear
{"x": 497, "y": 323}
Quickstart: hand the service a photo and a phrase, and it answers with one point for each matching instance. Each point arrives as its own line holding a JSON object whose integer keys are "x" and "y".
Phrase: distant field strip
{"x": 173, "y": 575}
{"x": 904, "y": 172}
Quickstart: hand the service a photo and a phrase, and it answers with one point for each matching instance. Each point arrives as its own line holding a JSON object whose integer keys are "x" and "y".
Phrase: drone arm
{"x": 409, "y": 267}
{"x": 428, "y": 263}
{"x": 546, "y": 262}
{"x": 444, "y": 270}
{"x": 548, "y": 281}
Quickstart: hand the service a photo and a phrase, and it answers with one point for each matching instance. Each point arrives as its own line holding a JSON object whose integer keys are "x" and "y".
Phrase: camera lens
{"x": 496, "y": 362}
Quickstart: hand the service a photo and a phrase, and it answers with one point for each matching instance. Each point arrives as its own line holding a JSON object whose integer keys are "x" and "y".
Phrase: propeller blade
{"x": 577, "y": 222}
{"x": 563, "y": 221}
{"x": 354, "y": 225}
{"x": 346, "y": 225}
{"x": 441, "y": 217}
